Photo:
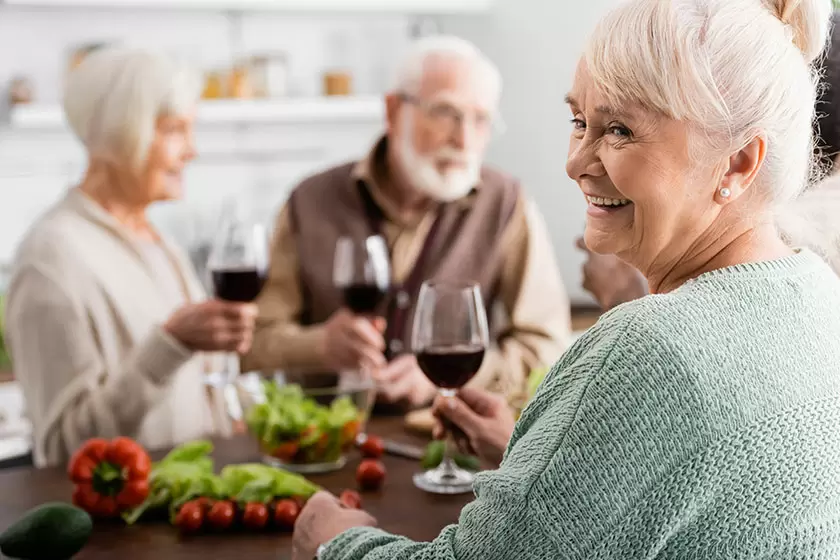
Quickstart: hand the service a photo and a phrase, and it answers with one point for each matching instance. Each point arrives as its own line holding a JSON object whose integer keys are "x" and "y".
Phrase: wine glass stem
{"x": 233, "y": 406}
{"x": 231, "y": 367}
{"x": 447, "y": 464}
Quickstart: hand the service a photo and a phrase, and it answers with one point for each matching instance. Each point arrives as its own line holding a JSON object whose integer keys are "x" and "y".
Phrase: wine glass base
{"x": 436, "y": 481}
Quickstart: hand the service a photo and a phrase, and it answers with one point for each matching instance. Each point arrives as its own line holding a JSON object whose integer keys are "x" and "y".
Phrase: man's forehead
{"x": 458, "y": 81}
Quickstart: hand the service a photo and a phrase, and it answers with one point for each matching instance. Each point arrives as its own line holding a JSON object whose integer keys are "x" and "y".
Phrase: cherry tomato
{"x": 300, "y": 501}
{"x": 205, "y": 503}
{"x": 350, "y": 499}
{"x": 221, "y": 515}
{"x": 255, "y": 516}
{"x": 286, "y": 513}
{"x": 371, "y": 474}
{"x": 286, "y": 451}
{"x": 373, "y": 448}
{"x": 190, "y": 518}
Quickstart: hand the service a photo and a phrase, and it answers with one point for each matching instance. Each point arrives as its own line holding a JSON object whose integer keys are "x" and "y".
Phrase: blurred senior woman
{"x": 105, "y": 317}
{"x": 701, "y": 421}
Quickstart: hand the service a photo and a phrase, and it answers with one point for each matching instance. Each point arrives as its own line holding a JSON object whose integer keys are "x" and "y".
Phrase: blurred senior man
{"x": 443, "y": 215}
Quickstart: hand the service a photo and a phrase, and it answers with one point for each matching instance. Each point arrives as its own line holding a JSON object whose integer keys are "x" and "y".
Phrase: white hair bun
{"x": 808, "y": 20}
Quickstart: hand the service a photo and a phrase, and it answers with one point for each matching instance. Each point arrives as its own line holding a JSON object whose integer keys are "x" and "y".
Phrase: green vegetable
{"x": 185, "y": 473}
{"x": 51, "y": 531}
{"x": 318, "y": 433}
{"x": 5, "y": 359}
{"x": 255, "y": 482}
{"x": 434, "y": 456}
{"x": 535, "y": 378}
{"x": 189, "y": 452}
{"x": 468, "y": 462}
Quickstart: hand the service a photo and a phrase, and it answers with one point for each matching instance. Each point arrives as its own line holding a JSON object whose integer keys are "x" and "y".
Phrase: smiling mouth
{"x": 602, "y": 202}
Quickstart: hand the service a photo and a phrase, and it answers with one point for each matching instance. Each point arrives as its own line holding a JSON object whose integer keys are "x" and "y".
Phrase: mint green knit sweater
{"x": 700, "y": 424}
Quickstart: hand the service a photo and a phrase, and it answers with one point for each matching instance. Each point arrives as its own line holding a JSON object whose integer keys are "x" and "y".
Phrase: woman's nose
{"x": 583, "y": 160}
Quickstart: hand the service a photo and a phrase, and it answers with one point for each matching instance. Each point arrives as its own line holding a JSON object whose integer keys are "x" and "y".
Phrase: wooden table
{"x": 399, "y": 507}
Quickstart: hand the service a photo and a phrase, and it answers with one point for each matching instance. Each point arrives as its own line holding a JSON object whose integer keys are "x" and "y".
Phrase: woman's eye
{"x": 578, "y": 124}
{"x": 620, "y": 131}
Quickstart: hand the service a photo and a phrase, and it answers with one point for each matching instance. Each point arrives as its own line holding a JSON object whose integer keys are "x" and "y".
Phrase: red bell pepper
{"x": 110, "y": 476}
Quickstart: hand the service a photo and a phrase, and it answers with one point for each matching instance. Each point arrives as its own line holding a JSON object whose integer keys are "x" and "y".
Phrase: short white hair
{"x": 113, "y": 99}
{"x": 411, "y": 68}
{"x": 732, "y": 68}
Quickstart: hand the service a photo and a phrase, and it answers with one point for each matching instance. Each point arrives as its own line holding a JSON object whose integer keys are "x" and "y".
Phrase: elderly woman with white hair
{"x": 106, "y": 320}
{"x": 701, "y": 421}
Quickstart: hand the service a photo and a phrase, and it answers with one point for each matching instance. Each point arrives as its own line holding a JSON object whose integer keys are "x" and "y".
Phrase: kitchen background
{"x": 292, "y": 86}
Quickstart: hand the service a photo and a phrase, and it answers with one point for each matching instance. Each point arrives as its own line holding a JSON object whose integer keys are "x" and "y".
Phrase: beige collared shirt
{"x": 531, "y": 293}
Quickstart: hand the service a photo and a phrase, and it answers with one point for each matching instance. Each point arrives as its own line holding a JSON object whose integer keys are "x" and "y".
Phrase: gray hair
{"x": 446, "y": 47}
{"x": 113, "y": 99}
{"x": 734, "y": 68}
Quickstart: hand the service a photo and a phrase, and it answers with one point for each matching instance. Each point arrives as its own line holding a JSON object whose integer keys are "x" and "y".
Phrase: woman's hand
{"x": 485, "y": 418}
{"x": 322, "y": 519}
{"x": 214, "y": 326}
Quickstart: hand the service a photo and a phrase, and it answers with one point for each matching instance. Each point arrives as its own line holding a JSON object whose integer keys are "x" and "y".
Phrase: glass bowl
{"x": 306, "y": 430}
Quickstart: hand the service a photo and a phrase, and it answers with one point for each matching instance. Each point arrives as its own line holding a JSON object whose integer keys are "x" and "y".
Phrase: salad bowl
{"x": 307, "y": 430}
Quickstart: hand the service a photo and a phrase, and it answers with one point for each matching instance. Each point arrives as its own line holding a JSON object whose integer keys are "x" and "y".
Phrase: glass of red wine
{"x": 362, "y": 271}
{"x": 449, "y": 337}
{"x": 237, "y": 264}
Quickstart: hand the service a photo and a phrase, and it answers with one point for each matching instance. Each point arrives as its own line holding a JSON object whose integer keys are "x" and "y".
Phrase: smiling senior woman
{"x": 105, "y": 318}
{"x": 701, "y": 421}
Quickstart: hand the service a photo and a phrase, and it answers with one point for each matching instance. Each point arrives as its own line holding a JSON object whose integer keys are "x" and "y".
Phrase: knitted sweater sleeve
{"x": 519, "y": 507}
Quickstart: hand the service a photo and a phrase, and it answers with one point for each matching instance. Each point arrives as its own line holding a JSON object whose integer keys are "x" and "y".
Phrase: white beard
{"x": 424, "y": 176}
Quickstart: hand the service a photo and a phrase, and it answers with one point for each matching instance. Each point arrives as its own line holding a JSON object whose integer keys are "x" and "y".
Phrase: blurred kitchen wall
{"x": 535, "y": 42}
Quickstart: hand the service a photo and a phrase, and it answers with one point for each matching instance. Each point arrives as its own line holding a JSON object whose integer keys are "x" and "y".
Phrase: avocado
{"x": 52, "y": 531}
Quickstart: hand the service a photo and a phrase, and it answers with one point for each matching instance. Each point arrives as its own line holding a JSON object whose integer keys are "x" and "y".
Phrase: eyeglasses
{"x": 447, "y": 117}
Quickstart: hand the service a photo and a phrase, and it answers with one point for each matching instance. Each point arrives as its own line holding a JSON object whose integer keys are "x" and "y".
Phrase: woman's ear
{"x": 743, "y": 168}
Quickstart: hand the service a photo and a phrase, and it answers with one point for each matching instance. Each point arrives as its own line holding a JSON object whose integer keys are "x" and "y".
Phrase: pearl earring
{"x": 725, "y": 192}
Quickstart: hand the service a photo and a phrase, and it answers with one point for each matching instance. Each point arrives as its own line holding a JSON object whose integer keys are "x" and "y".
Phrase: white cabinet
{"x": 386, "y": 6}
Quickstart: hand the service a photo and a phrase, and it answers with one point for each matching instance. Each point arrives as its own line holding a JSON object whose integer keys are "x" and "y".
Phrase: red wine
{"x": 238, "y": 284}
{"x": 451, "y": 367}
{"x": 364, "y": 298}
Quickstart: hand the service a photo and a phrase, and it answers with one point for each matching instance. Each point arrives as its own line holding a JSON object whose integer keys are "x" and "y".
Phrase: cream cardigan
{"x": 83, "y": 317}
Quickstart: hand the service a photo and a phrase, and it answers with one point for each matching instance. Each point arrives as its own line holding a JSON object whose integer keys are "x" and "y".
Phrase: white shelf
{"x": 222, "y": 112}
{"x": 393, "y": 6}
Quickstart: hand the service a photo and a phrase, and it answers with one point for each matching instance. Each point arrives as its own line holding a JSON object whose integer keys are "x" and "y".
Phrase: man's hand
{"x": 353, "y": 342}
{"x": 485, "y": 418}
{"x": 402, "y": 381}
{"x": 322, "y": 519}
{"x": 611, "y": 280}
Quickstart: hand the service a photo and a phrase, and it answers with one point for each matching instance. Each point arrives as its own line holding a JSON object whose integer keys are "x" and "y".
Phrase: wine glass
{"x": 449, "y": 338}
{"x": 237, "y": 264}
{"x": 362, "y": 271}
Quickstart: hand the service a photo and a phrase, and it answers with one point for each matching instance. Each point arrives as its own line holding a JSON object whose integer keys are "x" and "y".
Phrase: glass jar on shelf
{"x": 338, "y": 79}
{"x": 269, "y": 74}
